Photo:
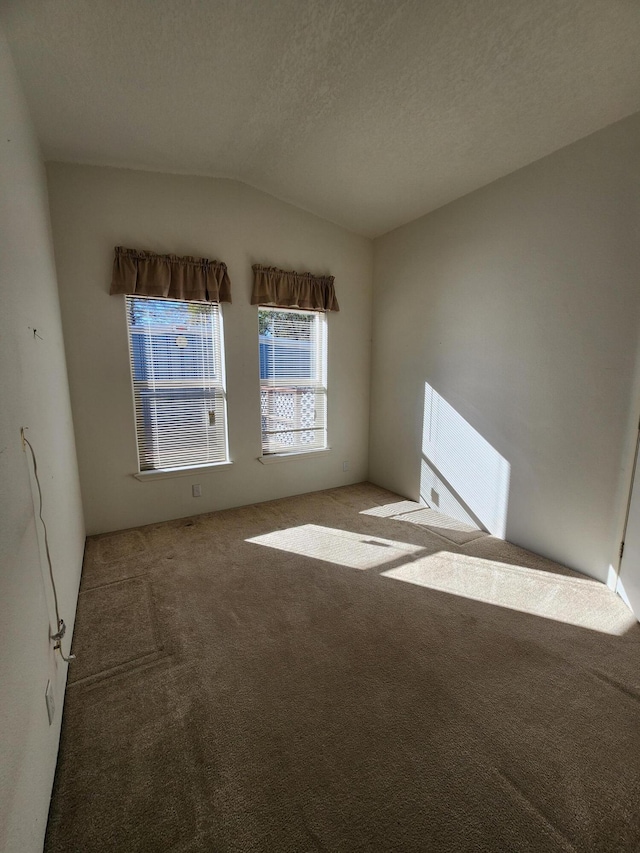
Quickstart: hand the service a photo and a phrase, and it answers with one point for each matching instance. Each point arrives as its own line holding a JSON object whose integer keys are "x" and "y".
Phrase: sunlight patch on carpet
{"x": 393, "y": 509}
{"x": 585, "y": 603}
{"x": 456, "y": 531}
{"x": 341, "y": 547}
{"x": 450, "y": 528}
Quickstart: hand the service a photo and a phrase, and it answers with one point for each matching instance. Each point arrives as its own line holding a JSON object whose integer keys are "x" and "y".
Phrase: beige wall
{"x": 34, "y": 394}
{"x": 94, "y": 209}
{"x": 517, "y": 308}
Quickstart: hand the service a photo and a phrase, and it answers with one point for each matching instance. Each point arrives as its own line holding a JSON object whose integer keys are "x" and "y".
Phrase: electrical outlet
{"x": 196, "y": 490}
{"x": 345, "y": 465}
{"x": 51, "y": 702}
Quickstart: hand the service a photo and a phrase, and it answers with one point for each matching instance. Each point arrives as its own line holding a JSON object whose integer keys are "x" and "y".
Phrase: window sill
{"x": 293, "y": 457}
{"x": 188, "y": 471}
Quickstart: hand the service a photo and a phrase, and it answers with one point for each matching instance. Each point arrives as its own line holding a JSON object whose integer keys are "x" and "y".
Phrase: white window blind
{"x": 293, "y": 390}
{"x": 177, "y": 369}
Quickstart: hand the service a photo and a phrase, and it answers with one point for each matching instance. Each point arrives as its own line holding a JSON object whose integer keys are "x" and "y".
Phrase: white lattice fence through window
{"x": 293, "y": 399}
{"x": 288, "y": 412}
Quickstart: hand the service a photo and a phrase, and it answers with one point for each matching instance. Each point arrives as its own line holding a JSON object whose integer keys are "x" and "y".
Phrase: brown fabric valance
{"x": 148, "y": 274}
{"x": 284, "y": 289}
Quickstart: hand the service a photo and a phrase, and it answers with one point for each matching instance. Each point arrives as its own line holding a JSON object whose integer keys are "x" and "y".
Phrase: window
{"x": 293, "y": 388}
{"x": 177, "y": 368}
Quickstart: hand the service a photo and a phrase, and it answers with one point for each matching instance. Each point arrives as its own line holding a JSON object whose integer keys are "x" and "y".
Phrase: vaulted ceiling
{"x": 366, "y": 112}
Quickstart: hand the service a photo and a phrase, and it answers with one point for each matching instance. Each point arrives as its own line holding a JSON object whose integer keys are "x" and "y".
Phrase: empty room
{"x": 320, "y": 376}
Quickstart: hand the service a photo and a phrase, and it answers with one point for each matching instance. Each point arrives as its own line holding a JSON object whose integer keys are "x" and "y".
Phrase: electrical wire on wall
{"x": 61, "y": 627}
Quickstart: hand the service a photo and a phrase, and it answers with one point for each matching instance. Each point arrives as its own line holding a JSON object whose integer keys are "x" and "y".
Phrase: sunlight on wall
{"x": 585, "y": 603}
{"x": 623, "y": 594}
{"x": 342, "y": 547}
{"x": 461, "y": 474}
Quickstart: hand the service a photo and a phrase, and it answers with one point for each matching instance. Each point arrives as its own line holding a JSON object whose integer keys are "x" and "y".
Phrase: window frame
{"x": 205, "y": 384}
{"x": 320, "y": 382}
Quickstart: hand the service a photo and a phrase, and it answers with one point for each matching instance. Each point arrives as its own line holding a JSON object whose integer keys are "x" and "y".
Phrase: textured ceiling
{"x": 367, "y": 112}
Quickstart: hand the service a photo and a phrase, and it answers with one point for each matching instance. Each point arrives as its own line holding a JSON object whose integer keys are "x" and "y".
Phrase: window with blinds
{"x": 293, "y": 389}
{"x": 177, "y": 369}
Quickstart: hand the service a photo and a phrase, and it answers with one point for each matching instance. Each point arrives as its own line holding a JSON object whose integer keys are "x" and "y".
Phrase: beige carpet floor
{"x": 344, "y": 671}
